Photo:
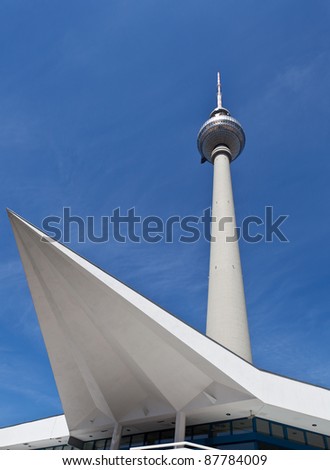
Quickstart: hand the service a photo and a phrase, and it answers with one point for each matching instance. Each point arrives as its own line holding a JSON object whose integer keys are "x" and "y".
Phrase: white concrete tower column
{"x": 226, "y": 310}
{"x": 220, "y": 140}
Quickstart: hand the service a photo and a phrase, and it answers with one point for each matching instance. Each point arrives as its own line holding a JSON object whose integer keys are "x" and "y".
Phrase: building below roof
{"x": 129, "y": 373}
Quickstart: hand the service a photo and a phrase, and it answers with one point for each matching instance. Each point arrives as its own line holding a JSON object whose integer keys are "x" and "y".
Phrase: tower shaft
{"x": 226, "y": 312}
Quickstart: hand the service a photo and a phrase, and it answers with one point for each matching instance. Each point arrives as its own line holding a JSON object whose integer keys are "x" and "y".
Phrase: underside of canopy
{"x": 119, "y": 358}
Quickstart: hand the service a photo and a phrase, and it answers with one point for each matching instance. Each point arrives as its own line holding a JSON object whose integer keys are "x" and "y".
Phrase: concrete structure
{"x": 220, "y": 140}
{"x": 130, "y": 374}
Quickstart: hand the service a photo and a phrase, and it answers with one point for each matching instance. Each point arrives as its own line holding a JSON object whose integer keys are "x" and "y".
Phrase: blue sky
{"x": 100, "y": 106}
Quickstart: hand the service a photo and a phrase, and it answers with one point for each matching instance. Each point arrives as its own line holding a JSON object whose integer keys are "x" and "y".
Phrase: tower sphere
{"x": 221, "y": 129}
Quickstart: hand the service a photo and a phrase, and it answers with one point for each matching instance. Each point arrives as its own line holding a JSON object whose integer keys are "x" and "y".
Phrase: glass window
{"x": 188, "y": 433}
{"x": 167, "y": 436}
{"x": 220, "y": 429}
{"x": 242, "y": 426}
{"x": 267, "y": 446}
{"x": 99, "y": 444}
{"x": 152, "y": 438}
{"x": 89, "y": 445}
{"x": 125, "y": 442}
{"x": 315, "y": 440}
{"x": 262, "y": 426}
{"x": 296, "y": 435}
{"x": 201, "y": 431}
{"x": 277, "y": 430}
{"x": 327, "y": 439}
{"x": 137, "y": 440}
{"x": 239, "y": 446}
{"x": 107, "y": 444}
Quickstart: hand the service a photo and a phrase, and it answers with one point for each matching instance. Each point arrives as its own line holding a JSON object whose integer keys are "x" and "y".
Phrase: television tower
{"x": 220, "y": 140}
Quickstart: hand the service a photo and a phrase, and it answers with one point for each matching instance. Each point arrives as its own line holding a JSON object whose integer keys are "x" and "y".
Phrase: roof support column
{"x": 116, "y": 436}
{"x": 180, "y": 427}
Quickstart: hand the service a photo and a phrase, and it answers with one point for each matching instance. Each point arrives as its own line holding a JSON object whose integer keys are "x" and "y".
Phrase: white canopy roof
{"x": 118, "y": 357}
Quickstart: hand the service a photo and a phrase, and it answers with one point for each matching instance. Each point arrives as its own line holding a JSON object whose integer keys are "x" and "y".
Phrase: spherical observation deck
{"x": 220, "y": 129}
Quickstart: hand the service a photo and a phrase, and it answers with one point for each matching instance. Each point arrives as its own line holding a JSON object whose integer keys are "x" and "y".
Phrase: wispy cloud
{"x": 10, "y": 270}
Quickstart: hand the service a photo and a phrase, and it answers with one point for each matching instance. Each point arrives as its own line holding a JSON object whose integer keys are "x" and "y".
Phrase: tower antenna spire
{"x": 219, "y": 93}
